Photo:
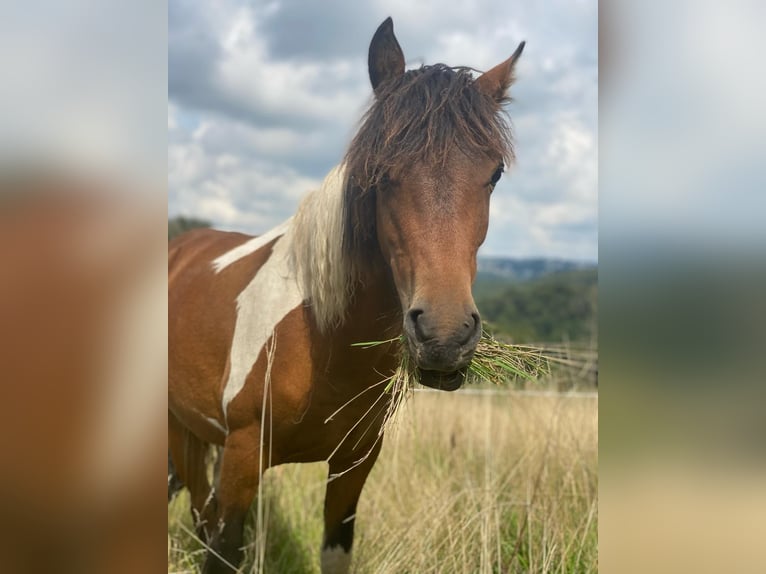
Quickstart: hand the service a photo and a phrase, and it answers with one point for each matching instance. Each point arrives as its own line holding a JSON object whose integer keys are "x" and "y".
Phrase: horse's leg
{"x": 189, "y": 460}
{"x": 238, "y": 485}
{"x": 174, "y": 483}
{"x": 340, "y": 511}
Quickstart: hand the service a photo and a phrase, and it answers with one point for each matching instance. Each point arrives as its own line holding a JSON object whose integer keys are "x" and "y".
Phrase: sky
{"x": 264, "y": 97}
{"x": 78, "y": 90}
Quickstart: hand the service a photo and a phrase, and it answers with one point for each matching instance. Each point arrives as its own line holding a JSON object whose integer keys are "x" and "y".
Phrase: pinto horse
{"x": 262, "y": 330}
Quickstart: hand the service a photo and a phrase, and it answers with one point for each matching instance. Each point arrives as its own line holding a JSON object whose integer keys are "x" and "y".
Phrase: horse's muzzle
{"x": 442, "y": 350}
{"x": 442, "y": 381}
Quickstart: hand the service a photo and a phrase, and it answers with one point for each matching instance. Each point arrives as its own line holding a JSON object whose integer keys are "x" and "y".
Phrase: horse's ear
{"x": 385, "y": 60}
{"x": 496, "y": 81}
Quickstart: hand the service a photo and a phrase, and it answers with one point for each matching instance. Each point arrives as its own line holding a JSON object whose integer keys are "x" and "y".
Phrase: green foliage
{"x": 555, "y": 308}
{"x": 181, "y": 224}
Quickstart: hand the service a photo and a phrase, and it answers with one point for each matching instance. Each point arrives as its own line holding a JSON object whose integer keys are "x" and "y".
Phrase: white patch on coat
{"x": 307, "y": 263}
{"x": 261, "y": 306}
{"x": 335, "y": 560}
{"x": 250, "y": 246}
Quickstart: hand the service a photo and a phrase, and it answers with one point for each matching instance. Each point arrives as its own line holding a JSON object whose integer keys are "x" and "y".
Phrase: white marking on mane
{"x": 250, "y": 246}
{"x": 325, "y": 271}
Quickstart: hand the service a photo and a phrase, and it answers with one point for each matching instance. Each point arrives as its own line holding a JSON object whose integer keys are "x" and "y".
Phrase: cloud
{"x": 220, "y": 63}
{"x": 265, "y": 96}
{"x": 230, "y": 187}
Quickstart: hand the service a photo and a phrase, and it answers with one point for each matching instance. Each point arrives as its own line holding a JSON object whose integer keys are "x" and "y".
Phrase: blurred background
{"x": 83, "y": 304}
{"x": 682, "y": 270}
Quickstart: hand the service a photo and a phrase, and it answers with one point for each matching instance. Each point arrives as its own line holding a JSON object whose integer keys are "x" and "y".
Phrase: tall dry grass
{"x": 465, "y": 484}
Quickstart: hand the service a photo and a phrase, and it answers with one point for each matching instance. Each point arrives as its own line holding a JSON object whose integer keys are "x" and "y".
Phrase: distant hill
{"x": 555, "y": 306}
{"x": 180, "y": 224}
{"x": 526, "y": 269}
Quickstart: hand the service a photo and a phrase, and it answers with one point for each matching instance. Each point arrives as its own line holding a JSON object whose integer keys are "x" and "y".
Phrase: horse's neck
{"x": 373, "y": 314}
{"x": 346, "y": 367}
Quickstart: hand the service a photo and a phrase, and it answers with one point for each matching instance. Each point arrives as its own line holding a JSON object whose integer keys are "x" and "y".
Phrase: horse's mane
{"x": 420, "y": 117}
{"x": 324, "y": 269}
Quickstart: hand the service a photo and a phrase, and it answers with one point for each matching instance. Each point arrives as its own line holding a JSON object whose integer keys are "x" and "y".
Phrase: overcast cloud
{"x": 263, "y": 98}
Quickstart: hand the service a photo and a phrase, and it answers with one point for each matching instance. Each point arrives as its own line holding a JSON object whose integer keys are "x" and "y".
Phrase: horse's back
{"x": 199, "y": 247}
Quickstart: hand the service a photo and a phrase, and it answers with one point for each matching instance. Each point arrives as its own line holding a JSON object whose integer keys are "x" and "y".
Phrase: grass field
{"x": 465, "y": 484}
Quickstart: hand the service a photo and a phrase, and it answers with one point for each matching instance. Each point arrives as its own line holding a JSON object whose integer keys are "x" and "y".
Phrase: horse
{"x": 262, "y": 330}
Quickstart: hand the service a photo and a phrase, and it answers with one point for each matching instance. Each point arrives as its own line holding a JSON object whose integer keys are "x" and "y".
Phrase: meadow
{"x": 500, "y": 482}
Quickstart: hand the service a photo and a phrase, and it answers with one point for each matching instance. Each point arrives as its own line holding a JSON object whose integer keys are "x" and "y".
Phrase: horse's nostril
{"x": 422, "y": 328}
{"x": 470, "y": 325}
{"x": 415, "y": 324}
{"x": 414, "y": 314}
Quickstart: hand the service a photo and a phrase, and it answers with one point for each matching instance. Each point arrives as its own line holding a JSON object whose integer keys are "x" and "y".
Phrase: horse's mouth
{"x": 442, "y": 381}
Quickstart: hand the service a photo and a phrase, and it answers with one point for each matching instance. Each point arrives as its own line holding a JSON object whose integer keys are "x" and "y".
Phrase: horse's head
{"x": 421, "y": 170}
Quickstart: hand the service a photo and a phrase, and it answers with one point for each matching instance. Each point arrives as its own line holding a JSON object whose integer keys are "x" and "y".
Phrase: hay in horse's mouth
{"x": 493, "y": 362}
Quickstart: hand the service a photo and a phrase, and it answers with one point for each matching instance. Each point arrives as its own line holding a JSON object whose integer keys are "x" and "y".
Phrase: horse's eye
{"x": 496, "y": 175}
